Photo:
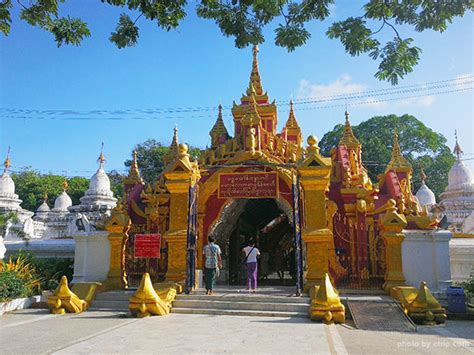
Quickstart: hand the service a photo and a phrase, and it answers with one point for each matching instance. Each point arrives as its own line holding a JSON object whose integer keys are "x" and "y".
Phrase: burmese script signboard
{"x": 147, "y": 245}
{"x": 248, "y": 185}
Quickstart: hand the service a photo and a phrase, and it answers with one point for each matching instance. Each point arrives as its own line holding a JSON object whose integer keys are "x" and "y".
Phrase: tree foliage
{"x": 31, "y": 185}
{"x": 150, "y": 158}
{"x": 419, "y": 144}
{"x": 245, "y": 20}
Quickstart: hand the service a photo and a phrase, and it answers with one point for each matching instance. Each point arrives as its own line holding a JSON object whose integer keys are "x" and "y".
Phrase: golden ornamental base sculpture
{"x": 420, "y": 305}
{"x": 146, "y": 301}
{"x": 326, "y": 305}
{"x": 64, "y": 300}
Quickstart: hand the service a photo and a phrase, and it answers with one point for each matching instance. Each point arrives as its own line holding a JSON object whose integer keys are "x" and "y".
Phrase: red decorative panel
{"x": 147, "y": 245}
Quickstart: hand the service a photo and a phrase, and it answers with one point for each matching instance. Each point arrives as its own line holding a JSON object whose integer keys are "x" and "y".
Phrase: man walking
{"x": 213, "y": 262}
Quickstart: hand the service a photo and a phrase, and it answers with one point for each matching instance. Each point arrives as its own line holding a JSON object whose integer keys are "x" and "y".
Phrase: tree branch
{"x": 393, "y": 28}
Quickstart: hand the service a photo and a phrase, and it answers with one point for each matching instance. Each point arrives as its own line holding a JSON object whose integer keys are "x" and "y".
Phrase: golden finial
{"x": 255, "y": 79}
{"x": 348, "y": 138}
{"x": 291, "y": 122}
{"x": 457, "y": 148}
{"x": 7, "y": 162}
{"x": 219, "y": 129}
{"x": 101, "y": 159}
{"x": 398, "y": 161}
{"x": 65, "y": 184}
{"x": 45, "y": 196}
{"x": 173, "y": 150}
{"x": 422, "y": 175}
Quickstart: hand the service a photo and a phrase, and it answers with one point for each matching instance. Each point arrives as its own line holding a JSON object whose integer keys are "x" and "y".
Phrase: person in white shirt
{"x": 251, "y": 253}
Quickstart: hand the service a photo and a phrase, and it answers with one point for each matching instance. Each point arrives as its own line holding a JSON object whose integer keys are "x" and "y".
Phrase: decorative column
{"x": 118, "y": 226}
{"x": 391, "y": 225}
{"x": 314, "y": 174}
{"x": 179, "y": 175}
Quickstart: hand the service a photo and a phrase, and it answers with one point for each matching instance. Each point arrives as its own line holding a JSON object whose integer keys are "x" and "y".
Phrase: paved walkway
{"x": 36, "y": 331}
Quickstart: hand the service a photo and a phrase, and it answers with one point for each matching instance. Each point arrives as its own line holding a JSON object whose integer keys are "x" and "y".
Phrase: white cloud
{"x": 342, "y": 86}
{"x": 424, "y": 101}
{"x": 345, "y": 86}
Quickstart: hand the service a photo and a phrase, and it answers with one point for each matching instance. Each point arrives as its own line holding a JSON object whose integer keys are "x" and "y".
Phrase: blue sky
{"x": 196, "y": 66}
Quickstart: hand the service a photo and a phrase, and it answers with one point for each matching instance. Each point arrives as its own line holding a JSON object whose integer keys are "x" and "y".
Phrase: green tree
{"x": 245, "y": 20}
{"x": 31, "y": 185}
{"x": 419, "y": 144}
{"x": 150, "y": 158}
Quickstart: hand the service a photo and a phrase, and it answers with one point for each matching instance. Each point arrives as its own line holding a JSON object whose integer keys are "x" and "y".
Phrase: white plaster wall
{"x": 425, "y": 257}
{"x": 91, "y": 257}
{"x": 462, "y": 258}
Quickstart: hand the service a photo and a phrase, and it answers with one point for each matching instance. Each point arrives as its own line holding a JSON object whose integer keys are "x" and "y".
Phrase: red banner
{"x": 248, "y": 185}
{"x": 147, "y": 245}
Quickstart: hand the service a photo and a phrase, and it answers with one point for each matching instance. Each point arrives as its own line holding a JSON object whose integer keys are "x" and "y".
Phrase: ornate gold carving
{"x": 326, "y": 305}
{"x": 420, "y": 304}
{"x": 64, "y": 300}
{"x": 146, "y": 302}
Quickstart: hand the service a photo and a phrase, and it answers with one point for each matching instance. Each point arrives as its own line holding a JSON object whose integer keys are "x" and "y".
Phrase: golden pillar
{"x": 178, "y": 186}
{"x": 179, "y": 175}
{"x": 118, "y": 226}
{"x": 391, "y": 225}
{"x": 314, "y": 174}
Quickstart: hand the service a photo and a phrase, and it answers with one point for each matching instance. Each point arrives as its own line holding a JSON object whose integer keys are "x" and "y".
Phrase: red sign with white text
{"x": 147, "y": 245}
{"x": 248, "y": 185}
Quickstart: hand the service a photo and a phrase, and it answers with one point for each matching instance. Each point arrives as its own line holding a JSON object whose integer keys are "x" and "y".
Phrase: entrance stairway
{"x": 267, "y": 302}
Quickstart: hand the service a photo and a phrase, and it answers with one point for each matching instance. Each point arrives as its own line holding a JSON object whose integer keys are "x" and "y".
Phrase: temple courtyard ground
{"x": 36, "y": 331}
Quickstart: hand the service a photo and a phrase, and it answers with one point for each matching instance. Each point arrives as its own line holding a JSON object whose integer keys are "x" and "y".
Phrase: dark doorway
{"x": 265, "y": 222}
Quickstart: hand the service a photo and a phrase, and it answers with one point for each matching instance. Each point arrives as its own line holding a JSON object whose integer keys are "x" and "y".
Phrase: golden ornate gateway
{"x": 349, "y": 226}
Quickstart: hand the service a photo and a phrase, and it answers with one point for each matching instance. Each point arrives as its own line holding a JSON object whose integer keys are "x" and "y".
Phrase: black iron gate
{"x": 191, "y": 239}
{"x": 297, "y": 234}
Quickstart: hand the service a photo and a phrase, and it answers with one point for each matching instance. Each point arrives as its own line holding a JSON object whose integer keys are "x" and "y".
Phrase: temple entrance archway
{"x": 267, "y": 221}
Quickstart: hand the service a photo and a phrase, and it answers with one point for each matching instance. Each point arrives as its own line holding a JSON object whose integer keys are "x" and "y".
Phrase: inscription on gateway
{"x": 248, "y": 185}
{"x": 147, "y": 245}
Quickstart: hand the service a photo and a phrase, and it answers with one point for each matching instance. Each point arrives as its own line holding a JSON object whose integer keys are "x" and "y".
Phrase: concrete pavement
{"x": 36, "y": 331}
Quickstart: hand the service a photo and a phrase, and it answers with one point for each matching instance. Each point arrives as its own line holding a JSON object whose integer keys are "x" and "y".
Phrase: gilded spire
{"x": 7, "y": 164}
{"x": 457, "y": 148}
{"x": 291, "y": 122}
{"x": 173, "y": 150}
{"x": 65, "y": 184}
{"x": 101, "y": 159}
{"x": 398, "y": 161}
{"x": 134, "y": 172}
{"x": 45, "y": 196}
{"x": 348, "y": 138}
{"x": 251, "y": 116}
{"x": 255, "y": 79}
{"x": 219, "y": 129}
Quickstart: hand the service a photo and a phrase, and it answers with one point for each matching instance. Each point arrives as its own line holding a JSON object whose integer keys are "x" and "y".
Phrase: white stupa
{"x": 99, "y": 198}
{"x": 425, "y": 196}
{"x": 63, "y": 201}
{"x": 458, "y": 198}
{"x": 9, "y": 201}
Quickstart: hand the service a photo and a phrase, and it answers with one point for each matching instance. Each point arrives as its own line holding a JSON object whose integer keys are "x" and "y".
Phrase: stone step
{"x": 114, "y": 295}
{"x": 232, "y": 312}
{"x": 116, "y": 305}
{"x": 246, "y": 305}
{"x": 245, "y": 298}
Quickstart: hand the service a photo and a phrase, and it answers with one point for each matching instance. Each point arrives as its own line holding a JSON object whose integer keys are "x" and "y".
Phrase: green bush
{"x": 468, "y": 286}
{"x": 49, "y": 270}
{"x": 12, "y": 286}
